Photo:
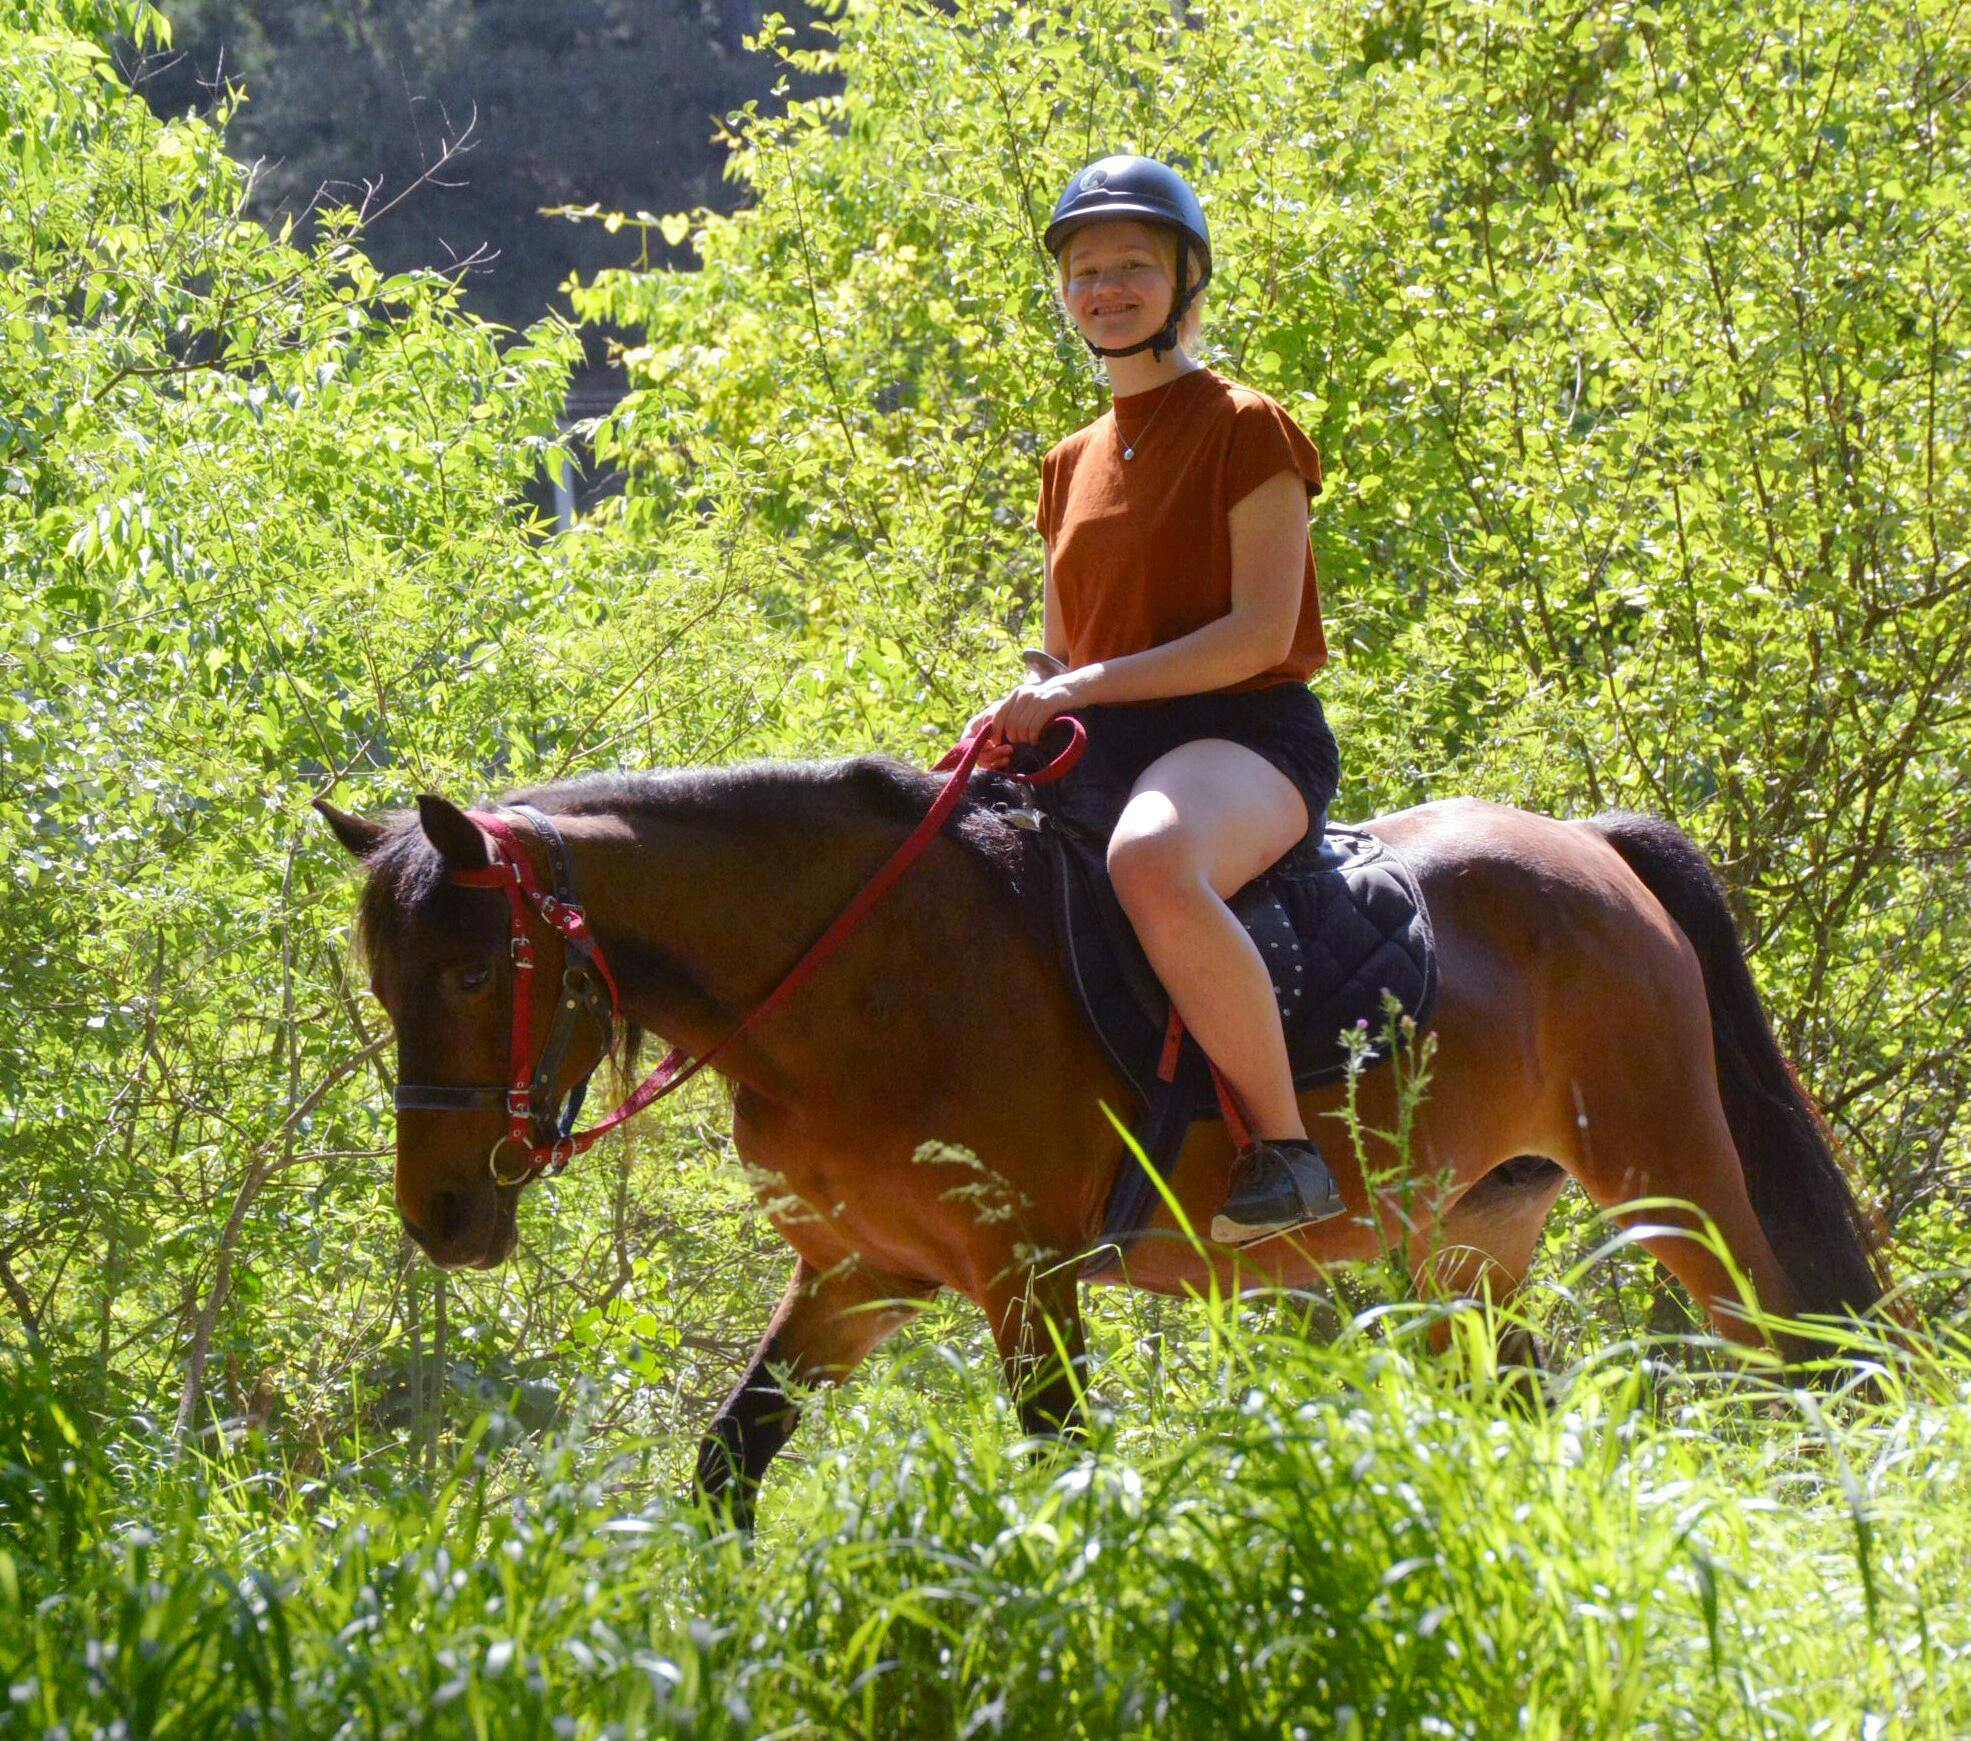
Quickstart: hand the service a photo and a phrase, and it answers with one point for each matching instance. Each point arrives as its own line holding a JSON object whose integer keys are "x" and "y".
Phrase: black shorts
{"x": 1282, "y": 722}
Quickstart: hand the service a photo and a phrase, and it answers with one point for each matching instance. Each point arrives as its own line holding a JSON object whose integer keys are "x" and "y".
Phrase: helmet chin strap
{"x": 1165, "y": 337}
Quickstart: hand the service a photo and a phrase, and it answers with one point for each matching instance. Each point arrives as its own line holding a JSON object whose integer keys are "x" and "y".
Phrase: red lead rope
{"x": 514, "y": 872}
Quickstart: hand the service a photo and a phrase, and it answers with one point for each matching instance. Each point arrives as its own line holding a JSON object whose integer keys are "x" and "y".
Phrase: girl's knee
{"x": 1153, "y": 865}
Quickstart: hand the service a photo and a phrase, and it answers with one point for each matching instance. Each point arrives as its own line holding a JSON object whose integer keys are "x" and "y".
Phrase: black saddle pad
{"x": 1339, "y": 929}
{"x": 1337, "y": 933}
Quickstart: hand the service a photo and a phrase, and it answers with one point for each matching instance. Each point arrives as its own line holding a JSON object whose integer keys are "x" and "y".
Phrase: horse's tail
{"x": 1818, "y": 1231}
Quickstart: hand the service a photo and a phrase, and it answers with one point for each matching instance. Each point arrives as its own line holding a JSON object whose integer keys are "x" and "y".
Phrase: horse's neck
{"x": 701, "y": 914}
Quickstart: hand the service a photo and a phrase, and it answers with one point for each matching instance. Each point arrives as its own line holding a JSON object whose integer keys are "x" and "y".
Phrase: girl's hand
{"x": 1028, "y": 711}
{"x": 993, "y": 754}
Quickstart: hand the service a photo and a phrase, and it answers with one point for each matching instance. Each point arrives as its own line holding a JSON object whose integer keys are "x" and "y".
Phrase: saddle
{"x": 1338, "y": 926}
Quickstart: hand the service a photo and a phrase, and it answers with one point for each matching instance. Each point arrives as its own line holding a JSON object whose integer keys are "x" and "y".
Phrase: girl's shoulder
{"x": 1241, "y": 396}
{"x": 1233, "y": 408}
{"x": 1255, "y": 416}
{"x": 1068, "y": 449}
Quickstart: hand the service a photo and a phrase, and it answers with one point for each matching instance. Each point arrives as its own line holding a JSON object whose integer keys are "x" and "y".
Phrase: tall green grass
{"x": 1266, "y": 1535}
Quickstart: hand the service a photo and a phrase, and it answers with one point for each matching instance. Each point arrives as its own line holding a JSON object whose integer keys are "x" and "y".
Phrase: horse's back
{"x": 1541, "y": 923}
{"x": 1518, "y": 865}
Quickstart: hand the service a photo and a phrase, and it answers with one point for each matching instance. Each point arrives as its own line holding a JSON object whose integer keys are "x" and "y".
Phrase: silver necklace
{"x": 1129, "y": 447}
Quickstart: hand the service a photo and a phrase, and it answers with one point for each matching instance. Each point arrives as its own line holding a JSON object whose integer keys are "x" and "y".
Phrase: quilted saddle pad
{"x": 1338, "y": 930}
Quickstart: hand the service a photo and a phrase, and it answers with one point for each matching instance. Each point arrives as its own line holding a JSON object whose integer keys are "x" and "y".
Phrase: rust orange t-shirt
{"x": 1140, "y": 550}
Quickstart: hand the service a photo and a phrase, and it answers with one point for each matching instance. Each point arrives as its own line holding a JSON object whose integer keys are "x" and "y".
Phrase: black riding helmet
{"x": 1137, "y": 187}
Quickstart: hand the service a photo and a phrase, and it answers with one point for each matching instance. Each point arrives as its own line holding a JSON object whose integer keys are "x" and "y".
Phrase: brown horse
{"x": 1595, "y": 1020}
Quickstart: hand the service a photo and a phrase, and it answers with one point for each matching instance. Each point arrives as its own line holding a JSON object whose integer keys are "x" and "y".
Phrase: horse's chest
{"x": 829, "y": 1184}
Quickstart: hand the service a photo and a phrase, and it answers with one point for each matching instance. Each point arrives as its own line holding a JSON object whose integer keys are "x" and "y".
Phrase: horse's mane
{"x": 768, "y": 793}
{"x": 405, "y": 869}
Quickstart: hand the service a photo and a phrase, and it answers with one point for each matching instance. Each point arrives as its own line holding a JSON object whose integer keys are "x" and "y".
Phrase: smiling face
{"x": 1118, "y": 279}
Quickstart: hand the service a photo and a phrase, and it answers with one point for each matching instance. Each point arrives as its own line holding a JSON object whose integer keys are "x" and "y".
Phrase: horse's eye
{"x": 474, "y": 978}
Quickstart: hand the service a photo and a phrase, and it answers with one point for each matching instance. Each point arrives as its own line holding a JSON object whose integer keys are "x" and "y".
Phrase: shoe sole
{"x": 1236, "y": 1234}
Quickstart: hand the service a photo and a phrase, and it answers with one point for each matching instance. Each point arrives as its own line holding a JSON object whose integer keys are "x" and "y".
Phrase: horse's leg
{"x": 827, "y": 1321}
{"x": 1649, "y": 1123}
{"x": 1484, "y": 1247}
{"x": 1036, "y": 1323}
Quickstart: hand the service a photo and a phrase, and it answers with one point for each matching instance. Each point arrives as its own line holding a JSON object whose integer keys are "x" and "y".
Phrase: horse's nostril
{"x": 447, "y": 1214}
{"x": 444, "y": 1215}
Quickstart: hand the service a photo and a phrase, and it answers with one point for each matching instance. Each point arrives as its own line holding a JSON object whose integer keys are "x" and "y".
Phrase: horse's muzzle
{"x": 466, "y": 1229}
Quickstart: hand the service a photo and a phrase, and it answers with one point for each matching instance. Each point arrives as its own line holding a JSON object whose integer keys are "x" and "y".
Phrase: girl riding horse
{"x": 1595, "y": 1018}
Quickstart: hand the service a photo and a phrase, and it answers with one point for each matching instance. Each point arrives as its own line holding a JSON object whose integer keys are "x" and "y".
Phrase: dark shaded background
{"x": 613, "y": 101}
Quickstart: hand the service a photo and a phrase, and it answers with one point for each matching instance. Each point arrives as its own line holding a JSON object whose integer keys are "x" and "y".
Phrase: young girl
{"x": 1180, "y": 595}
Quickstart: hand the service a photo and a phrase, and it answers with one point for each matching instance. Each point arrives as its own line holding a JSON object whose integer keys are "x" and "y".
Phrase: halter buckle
{"x": 521, "y": 947}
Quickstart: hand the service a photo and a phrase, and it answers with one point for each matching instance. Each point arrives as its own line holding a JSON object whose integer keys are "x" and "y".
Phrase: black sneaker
{"x": 1277, "y": 1185}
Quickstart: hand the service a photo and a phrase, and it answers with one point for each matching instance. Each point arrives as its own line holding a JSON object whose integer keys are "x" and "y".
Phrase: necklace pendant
{"x": 1129, "y": 453}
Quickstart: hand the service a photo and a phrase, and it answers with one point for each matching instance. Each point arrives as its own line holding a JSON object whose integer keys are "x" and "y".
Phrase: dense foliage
{"x": 263, "y": 533}
{"x": 1637, "y": 353}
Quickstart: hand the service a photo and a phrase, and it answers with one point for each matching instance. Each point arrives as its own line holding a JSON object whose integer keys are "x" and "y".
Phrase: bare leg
{"x": 1200, "y": 824}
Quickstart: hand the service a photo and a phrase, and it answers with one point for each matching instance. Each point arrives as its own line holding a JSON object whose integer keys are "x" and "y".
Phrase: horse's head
{"x": 442, "y": 965}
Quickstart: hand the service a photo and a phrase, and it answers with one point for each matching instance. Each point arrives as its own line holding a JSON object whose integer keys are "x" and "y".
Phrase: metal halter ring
{"x": 493, "y": 1163}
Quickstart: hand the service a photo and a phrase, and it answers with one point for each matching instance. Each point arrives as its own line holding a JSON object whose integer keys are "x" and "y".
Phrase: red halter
{"x": 528, "y": 1096}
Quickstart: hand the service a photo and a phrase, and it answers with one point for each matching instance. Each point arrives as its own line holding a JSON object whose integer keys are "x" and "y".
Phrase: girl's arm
{"x": 1269, "y": 561}
{"x": 1053, "y": 637}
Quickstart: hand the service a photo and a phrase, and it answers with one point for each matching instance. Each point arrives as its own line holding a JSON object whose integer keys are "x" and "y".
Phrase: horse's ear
{"x": 361, "y": 838}
{"x": 452, "y": 832}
